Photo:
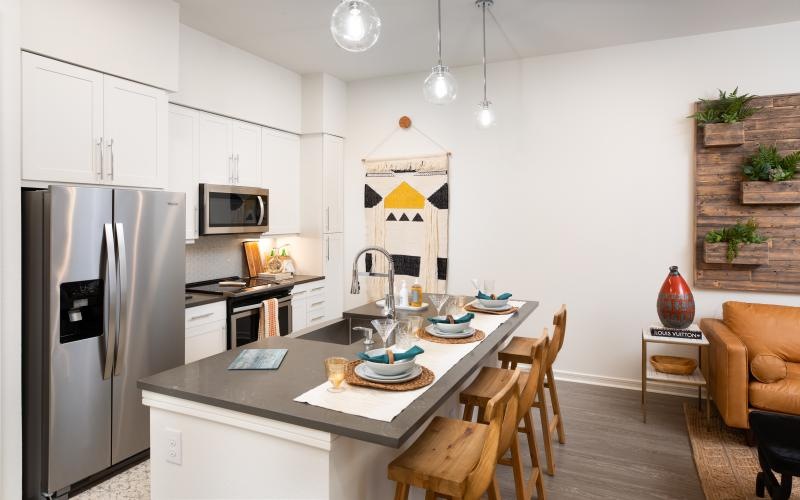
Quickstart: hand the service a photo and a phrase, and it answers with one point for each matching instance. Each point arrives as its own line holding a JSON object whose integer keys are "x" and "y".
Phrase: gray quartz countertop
{"x": 271, "y": 394}
{"x": 194, "y": 299}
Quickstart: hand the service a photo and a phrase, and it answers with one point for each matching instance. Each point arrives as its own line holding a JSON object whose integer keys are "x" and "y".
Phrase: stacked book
{"x": 275, "y": 276}
{"x": 693, "y": 332}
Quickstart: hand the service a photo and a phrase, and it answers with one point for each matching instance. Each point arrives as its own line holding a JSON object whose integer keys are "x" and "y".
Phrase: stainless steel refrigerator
{"x": 103, "y": 284}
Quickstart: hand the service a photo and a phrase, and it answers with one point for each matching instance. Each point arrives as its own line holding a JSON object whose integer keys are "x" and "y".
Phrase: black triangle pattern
{"x": 404, "y": 217}
{"x": 418, "y": 218}
{"x": 391, "y": 217}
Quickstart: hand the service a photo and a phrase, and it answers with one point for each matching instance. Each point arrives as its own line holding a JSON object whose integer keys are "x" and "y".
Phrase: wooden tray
{"x": 475, "y": 337}
{"x": 673, "y": 365}
{"x": 426, "y": 378}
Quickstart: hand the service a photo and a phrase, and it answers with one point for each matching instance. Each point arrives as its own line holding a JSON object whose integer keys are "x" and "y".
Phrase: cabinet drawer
{"x": 208, "y": 313}
{"x": 316, "y": 314}
{"x": 205, "y": 340}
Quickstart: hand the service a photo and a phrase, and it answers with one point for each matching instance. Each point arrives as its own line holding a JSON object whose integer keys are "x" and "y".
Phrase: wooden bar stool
{"x": 518, "y": 351}
{"x": 457, "y": 459}
{"x": 488, "y": 382}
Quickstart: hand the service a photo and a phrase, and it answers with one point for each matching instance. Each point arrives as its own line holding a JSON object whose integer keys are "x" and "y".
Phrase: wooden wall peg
{"x": 405, "y": 122}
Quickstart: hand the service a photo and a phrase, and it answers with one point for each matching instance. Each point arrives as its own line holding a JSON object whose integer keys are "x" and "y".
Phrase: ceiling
{"x": 295, "y": 33}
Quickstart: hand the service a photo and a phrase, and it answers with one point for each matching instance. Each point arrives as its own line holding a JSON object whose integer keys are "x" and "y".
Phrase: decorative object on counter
{"x": 440, "y": 86}
{"x": 268, "y": 322}
{"x": 721, "y": 118}
{"x": 476, "y": 307}
{"x": 675, "y": 302}
{"x": 407, "y": 204}
{"x": 720, "y": 193}
{"x": 355, "y": 25}
{"x": 384, "y": 327}
{"x": 485, "y": 113}
{"x": 693, "y": 332}
{"x": 470, "y": 335}
{"x": 404, "y": 336}
{"x": 335, "y": 371}
{"x": 502, "y": 296}
{"x": 741, "y": 238}
{"x": 416, "y": 294}
{"x": 425, "y": 377}
{"x": 274, "y": 263}
{"x": 771, "y": 178}
{"x": 438, "y": 300}
{"x": 387, "y": 356}
{"x": 402, "y": 297}
{"x": 416, "y": 325}
{"x": 258, "y": 359}
{"x": 673, "y": 365}
{"x": 449, "y": 319}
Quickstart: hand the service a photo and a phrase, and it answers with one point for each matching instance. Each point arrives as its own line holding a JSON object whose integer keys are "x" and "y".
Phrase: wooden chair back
{"x": 536, "y": 375}
{"x": 501, "y": 412}
{"x": 559, "y": 330}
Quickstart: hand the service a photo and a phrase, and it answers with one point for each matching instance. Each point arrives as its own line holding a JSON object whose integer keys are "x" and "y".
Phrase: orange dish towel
{"x": 268, "y": 324}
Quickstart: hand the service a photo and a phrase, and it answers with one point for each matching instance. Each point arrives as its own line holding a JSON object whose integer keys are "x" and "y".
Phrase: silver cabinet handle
{"x": 327, "y": 218}
{"x": 122, "y": 266}
{"x": 100, "y": 150}
{"x": 328, "y": 250}
{"x": 230, "y": 169}
{"x": 113, "y": 294}
{"x": 201, "y": 316}
{"x": 237, "y": 168}
{"x": 111, "y": 158}
{"x": 196, "y": 221}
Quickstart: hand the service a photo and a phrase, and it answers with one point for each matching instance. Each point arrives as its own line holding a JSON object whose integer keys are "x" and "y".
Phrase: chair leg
{"x": 785, "y": 491}
{"x": 556, "y": 407}
{"x": 760, "y": 485}
{"x": 520, "y": 485}
{"x": 548, "y": 445}
{"x": 494, "y": 490}
{"x": 401, "y": 491}
{"x": 430, "y": 495}
{"x": 468, "y": 408}
{"x": 530, "y": 433}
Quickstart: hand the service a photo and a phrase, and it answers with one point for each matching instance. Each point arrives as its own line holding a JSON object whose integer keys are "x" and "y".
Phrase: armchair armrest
{"x": 729, "y": 374}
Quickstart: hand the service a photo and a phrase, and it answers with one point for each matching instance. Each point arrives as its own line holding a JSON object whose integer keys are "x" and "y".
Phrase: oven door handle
{"x": 281, "y": 302}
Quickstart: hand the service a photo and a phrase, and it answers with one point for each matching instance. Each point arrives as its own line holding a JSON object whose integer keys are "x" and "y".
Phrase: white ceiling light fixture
{"x": 355, "y": 25}
{"x": 485, "y": 113}
{"x": 440, "y": 86}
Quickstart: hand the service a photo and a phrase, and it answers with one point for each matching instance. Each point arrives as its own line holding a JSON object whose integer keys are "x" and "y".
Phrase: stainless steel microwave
{"x": 233, "y": 209}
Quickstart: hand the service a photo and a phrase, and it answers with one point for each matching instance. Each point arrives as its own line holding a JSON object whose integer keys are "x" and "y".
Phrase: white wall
{"x": 223, "y": 79}
{"x": 133, "y": 39}
{"x": 10, "y": 262}
{"x": 583, "y": 192}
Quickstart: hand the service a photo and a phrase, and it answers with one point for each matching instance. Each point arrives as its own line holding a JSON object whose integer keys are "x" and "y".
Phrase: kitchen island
{"x": 216, "y": 433}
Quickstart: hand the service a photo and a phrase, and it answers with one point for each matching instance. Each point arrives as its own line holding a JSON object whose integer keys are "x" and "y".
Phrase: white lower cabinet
{"x": 308, "y": 304}
{"x": 206, "y": 331}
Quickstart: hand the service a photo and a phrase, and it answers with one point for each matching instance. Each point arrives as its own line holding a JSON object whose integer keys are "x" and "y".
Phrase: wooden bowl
{"x": 673, "y": 365}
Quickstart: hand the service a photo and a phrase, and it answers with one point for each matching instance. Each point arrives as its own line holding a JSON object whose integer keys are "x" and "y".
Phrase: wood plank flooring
{"x": 611, "y": 454}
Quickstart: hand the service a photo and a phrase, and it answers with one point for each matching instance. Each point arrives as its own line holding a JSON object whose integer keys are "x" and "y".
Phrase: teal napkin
{"x": 398, "y": 356}
{"x": 502, "y": 296}
{"x": 463, "y": 319}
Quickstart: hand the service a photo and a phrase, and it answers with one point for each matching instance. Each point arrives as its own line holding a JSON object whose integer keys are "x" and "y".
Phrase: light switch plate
{"x": 174, "y": 447}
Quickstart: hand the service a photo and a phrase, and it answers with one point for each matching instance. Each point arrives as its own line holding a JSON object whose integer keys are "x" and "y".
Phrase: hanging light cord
{"x": 439, "y": 3}
{"x": 483, "y": 7}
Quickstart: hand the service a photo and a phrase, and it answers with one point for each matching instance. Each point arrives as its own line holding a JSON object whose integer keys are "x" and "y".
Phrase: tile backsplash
{"x": 211, "y": 257}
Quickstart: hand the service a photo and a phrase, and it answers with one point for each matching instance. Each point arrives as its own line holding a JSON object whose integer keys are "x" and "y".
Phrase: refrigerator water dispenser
{"x": 81, "y": 310}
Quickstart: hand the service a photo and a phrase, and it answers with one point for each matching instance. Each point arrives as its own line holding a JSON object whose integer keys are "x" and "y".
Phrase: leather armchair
{"x": 754, "y": 360}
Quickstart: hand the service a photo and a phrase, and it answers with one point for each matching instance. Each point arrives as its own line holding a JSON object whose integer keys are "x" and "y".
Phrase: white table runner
{"x": 385, "y": 405}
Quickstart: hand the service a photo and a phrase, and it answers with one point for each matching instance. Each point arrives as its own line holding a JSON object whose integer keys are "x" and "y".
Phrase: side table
{"x": 695, "y": 379}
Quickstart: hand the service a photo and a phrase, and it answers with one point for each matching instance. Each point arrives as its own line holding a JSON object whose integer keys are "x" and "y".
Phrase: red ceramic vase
{"x": 675, "y": 301}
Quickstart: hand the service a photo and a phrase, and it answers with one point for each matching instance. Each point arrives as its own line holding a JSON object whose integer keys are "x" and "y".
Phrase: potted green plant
{"x": 737, "y": 244}
{"x": 770, "y": 177}
{"x": 721, "y": 118}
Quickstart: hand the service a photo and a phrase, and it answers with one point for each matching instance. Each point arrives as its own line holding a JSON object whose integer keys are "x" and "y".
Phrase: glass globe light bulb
{"x": 485, "y": 115}
{"x": 440, "y": 86}
{"x": 355, "y": 25}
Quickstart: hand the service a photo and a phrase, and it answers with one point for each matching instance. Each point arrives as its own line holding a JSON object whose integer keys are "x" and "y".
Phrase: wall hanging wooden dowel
{"x": 404, "y": 123}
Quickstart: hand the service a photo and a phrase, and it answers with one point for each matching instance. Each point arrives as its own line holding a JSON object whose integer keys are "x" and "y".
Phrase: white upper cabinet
{"x": 83, "y": 126}
{"x": 280, "y": 174}
{"x": 135, "y": 131}
{"x": 333, "y": 268}
{"x": 184, "y": 162}
{"x": 62, "y": 121}
{"x": 246, "y": 141}
{"x": 333, "y": 179}
{"x": 216, "y": 162}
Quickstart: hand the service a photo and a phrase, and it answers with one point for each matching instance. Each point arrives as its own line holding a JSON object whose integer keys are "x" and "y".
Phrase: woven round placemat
{"x": 475, "y": 337}
{"x": 425, "y": 378}
{"x": 471, "y": 308}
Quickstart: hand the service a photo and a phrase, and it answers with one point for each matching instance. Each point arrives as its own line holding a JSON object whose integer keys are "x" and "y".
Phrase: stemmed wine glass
{"x": 438, "y": 300}
{"x": 384, "y": 327}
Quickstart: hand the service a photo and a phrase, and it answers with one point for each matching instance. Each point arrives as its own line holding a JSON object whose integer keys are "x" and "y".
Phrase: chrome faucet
{"x": 355, "y": 286}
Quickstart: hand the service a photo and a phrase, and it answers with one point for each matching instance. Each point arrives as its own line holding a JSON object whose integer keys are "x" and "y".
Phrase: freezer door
{"x": 78, "y": 440}
{"x": 150, "y": 228}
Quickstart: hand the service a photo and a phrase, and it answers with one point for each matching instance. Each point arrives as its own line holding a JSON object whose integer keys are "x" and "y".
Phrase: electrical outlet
{"x": 174, "y": 448}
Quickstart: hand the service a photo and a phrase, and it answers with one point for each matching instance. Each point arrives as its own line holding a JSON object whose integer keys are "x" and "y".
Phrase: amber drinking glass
{"x": 334, "y": 369}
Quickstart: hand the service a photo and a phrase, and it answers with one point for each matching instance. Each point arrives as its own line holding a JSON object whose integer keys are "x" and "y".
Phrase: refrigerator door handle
{"x": 112, "y": 291}
{"x": 122, "y": 266}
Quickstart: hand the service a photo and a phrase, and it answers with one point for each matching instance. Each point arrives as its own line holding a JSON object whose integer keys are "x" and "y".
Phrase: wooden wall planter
{"x": 756, "y": 254}
{"x": 723, "y": 134}
{"x": 771, "y": 193}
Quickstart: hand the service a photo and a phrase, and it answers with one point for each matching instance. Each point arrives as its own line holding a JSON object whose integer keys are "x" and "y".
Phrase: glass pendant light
{"x": 440, "y": 87}
{"x": 485, "y": 113}
{"x": 355, "y": 25}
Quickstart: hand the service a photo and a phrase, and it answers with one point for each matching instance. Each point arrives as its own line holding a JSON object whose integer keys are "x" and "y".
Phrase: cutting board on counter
{"x": 253, "y": 255}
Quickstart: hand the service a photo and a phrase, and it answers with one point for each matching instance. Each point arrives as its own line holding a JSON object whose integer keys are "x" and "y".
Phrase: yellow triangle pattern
{"x": 404, "y": 196}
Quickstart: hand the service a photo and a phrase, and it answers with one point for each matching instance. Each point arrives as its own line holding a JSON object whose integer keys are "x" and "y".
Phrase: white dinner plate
{"x": 477, "y": 305}
{"x": 469, "y": 332}
{"x": 364, "y": 372}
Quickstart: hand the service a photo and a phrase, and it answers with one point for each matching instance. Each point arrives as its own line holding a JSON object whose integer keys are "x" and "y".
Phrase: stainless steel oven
{"x": 233, "y": 209}
{"x": 244, "y": 314}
